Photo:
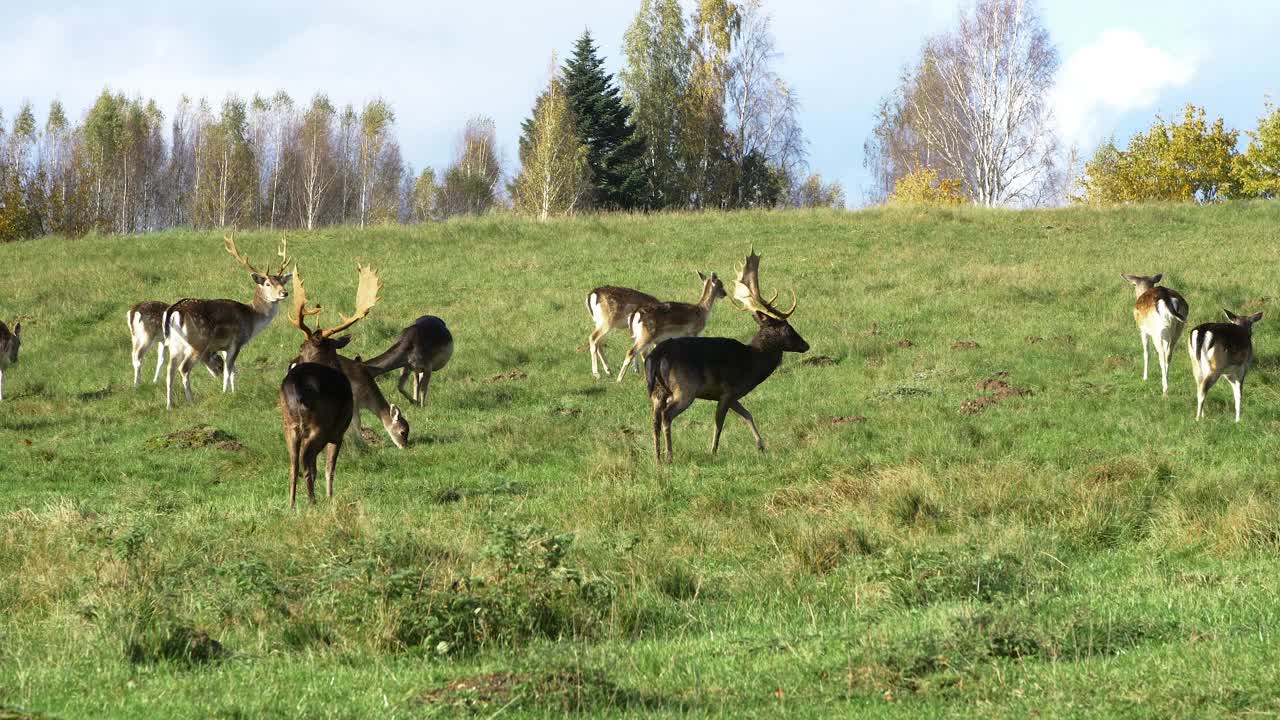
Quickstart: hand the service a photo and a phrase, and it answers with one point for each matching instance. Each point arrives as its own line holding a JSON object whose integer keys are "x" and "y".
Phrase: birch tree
{"x": 555, "y": 177}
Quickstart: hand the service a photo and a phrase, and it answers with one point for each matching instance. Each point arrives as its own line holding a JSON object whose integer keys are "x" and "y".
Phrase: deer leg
{"x": 1, "y": 385}
{"x": 658, "y": 405}
{"x": 168, "y": 382}
{"x": 593, "y": 347}
{"x": 675, "y": 406}
{"x": 229, "y": 369}
{"x": 632, "y": 353}
{"x": 160, "y": 348}
{"x": 424, "y": 381}
{"x": 139, "y": 349}
{"x": 1163, "y": 351}
{"x": 292, "y": 440}
{"x": 736, "y": 406}
{"x": 1237, "y": 386}
{"x": 1201, "y": 391}
{"x": 309, "y": 452}
{"x": 188, "y": 359}
{"x": 722, "y": 409}
{"x": 331, "y": 462}
{"x": 1145, "y": 351}
{"x": 404, "y": 380}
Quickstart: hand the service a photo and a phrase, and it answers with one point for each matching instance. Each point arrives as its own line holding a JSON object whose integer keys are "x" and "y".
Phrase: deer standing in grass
{"x": 1221, "y": 349}
{"x": 685, "y": 369}
{"x": 651, "y": 324}
{"x": 196, "y": 329}
{"x": 146, "y": 329}
{"x": 611, "y": 308}
{"x": 1160, "y": 313}
{"x": 421, "y": 349}
{"x": 366, "y": 395}
{"x": 10, "y": 341}
{"x": 316, "y": 398}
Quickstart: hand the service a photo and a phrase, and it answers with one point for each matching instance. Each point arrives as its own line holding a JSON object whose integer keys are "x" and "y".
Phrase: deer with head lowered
{"x": 196, "y": 329}
{"x": 10, "y": 341}
{"x": 316, "y": 398}
{"x": 685, "y": 369}
{"x": 1160, "y": 313}
{"x": 1222, "y": 349}
{"x": 421, "y": 349}
{"x": 651, "y": 324}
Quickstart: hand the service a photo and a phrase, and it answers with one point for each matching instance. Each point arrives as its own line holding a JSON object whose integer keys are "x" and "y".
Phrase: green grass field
{"x": 900, "y": 551}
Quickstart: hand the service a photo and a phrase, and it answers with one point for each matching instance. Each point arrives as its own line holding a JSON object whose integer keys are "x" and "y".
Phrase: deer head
{"x": 746, "y": 291}
{"x": 273, "y": 286}
{"x": 320, "y": 345}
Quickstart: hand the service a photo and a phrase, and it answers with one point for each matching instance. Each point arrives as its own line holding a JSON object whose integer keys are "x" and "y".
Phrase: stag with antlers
{"x": 685, "y": 369}
{"x": 197, "y": 329}
{"x": 316, "y": 397}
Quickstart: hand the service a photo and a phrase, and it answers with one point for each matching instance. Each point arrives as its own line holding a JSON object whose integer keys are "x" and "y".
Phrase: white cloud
{"x": 1116, "y": 73}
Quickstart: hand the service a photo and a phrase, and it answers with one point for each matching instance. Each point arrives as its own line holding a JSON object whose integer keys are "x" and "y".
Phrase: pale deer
{"x": 196, "y": 329}
{"x": 651, "y": 324}
{"x": 611, "y": 308}
{"x": 685, "y": 369}
{"x": 421, "y": 349}
{"x": 146, "y": 329}
{"x": 10, "y": 341}
{"x": 316, "y": 398}
{"x": 1221, "y": 349}
{"x": 1160, "y": 313}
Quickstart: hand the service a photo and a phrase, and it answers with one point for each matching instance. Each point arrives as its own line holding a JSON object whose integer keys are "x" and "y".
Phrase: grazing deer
{"x": 366, "y": 395}
{"x": 1219, "y": 349}
{"x": 685, "y": 369}
{"x": 316, "y": 398}
{"x": 146, "y": 328}
{"x": 611, "y": 307}
{"x": 10, "y": 341}
{"x": 196, "y": 329}
{"x": 651, "y": 324}
{"x": 1161, "y": 314}
{"x": 421, "y": 349}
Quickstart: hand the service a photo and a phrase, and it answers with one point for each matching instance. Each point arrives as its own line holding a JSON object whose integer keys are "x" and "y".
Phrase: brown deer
{"x": 685, "y": 369}
{"x": 316, "y": 398}
{"x": 146, "y": 329}
{"x": 421, "y": 349}
{"x": 10, "y": 341}
{"x": 366, "y": 395}
{"x": 1221, "y": 349}
{"x": 196, "y": 329}
{"x": 1160, "y": 313}
{"x": 651, "y": 324}
{"x": 611, "y": 308}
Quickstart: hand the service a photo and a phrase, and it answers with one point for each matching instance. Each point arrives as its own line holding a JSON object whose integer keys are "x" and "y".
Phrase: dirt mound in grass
{"x": 965, "y": 345}
{"x": 995, "y": 389}
{"x": 849, "y": 420}
{"x": 819, "y": 361}
{"x": 515, "y": 374}
{"x": 565, "y": 691}
{"x": 200, "y": 436}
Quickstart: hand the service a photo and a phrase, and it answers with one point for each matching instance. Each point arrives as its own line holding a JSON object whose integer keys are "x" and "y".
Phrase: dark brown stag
{"x": 685, "y": 369}
{"x": 421, "y": 349}
{"x": 316, "y": 400}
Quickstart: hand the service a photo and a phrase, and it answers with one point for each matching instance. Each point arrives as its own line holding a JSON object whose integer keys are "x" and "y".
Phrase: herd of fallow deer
{"x": 323, "y": 392}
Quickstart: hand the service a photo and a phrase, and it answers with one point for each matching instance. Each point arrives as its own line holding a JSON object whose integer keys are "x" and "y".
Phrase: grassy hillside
{"x": 921, "y": 539}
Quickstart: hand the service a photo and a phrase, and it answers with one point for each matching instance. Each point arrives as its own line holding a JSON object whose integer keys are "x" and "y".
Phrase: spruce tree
{"x": 614, "y": 148}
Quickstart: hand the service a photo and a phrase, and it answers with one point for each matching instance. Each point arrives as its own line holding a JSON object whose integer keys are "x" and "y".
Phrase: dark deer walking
{"x": 10, "y": 341}
{"x": 316, "y": 399}
{"x": 685, "y": 369}
{"x": 421, "y": 349}
{"x": 1222, "y": 349}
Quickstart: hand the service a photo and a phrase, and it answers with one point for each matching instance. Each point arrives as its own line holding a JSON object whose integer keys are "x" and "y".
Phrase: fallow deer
{"x": 10, "y": 341}
{"x": 421, "y": 349}
{"x": 651, "y": 324}
{"x": 611, "y": 308}
{"x": 1221, "y": 349}
{"x": 685, "y": 369}
{"x": 196, "y": 329}
{"x": 366, "y": 395}
{"x": 316, "y": 398}
{"x": 146, "y": 329}
{"x": 1160, "y": 313}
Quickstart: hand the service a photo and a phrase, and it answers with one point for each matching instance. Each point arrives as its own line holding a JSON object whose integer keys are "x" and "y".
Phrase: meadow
{"x": 971, "y": 503}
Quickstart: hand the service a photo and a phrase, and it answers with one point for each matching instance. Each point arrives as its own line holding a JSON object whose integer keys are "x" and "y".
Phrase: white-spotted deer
{"x": 685, "y": 369}
{"x": 316, "y": 398}
{"x": 651, "y": 324}
{"x": 611, "y": 308}
{"x": 1222, "y": 349}
{"x": 196, "y": 329}
{"x": 421, "y": 349}
{"x": 146, "y": 329}
{"x": 1160, "y": 313}
{"x": 10, "y": 341}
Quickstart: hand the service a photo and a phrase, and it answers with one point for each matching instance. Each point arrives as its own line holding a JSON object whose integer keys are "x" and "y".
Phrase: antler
{"x": 230, "y": 244}
{"x": 366, "y": 298}
{"x": 746, "y": 290}
{"x": 283, "y": 252}
{"x": 298, "y": 314}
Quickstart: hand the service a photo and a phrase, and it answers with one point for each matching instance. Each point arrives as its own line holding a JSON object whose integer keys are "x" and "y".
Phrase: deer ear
{"x": 341, "y": 342}
{"x": 1230, "y": 315}
{"x": 395, "y": 413}
{"x": 17, "y": 328}
{"x": 258, "y": 278}
{"x": 1132, "y": 279}
{"x": 1252, "y": 318}
{"x": 1156, "y": 278}
{"x": 284, "y": 279}
{"x": 701, "y": 276}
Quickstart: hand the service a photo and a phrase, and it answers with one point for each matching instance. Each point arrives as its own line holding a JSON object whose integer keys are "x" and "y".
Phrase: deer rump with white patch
{"x": 611, "y": 308}
{"x": 682, "y": 370}
{"x": 197, "y": 329}
{"x": 10, "y": 342}
{"x": 1222, "y": 350}
{"x": 1160, "y": 314}
{"x": 651, "y": 324}
{"x": 317, "y": 401}
{"x": 146, "y": 330}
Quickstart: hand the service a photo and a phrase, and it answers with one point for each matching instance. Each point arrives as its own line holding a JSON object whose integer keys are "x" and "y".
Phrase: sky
{"x": 440, "y": 62}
